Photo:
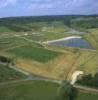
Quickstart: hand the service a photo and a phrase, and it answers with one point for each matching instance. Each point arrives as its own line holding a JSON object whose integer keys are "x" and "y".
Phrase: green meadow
{"x": 9, "y": 74}
{"x": 35, "y": 53}
{"x": 37, "y": 90}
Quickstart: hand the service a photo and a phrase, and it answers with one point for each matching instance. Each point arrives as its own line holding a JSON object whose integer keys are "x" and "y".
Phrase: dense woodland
{"x": 20, "y": 23}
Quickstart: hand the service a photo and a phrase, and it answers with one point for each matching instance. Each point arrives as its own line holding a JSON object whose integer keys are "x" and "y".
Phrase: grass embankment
{"x": 8, "y": 74}
{"x": 54, "y": 36}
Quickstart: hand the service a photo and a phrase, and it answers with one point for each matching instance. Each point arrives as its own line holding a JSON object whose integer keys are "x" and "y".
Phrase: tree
{"x": 66, "y": 91}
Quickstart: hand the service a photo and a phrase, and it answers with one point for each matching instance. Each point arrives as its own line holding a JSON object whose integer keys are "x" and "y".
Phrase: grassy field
{"x": 90, "y": 64}
{"x": 10, "y": 42}
{"x": 87, "y": 96}
{"x": 37, "y": 90}
{"x": 34, "y": 90}
{"x": 5, "y": 29}
{"x": 17, "y": 46}
{"x": 93, "y": 37}
{"x": 24, "y": 48}
{"x": 35, "y": 53}
{"x": 8, "y": 74}
{"x": 54, "y": 35}
{"x": 14, "y": 40}
{"x": 21, "y": 40}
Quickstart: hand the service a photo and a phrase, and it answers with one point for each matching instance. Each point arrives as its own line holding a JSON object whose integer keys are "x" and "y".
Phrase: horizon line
{"x": 18, "y": 16}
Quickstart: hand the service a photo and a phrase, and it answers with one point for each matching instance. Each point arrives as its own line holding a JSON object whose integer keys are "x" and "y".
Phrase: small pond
{"x": 76, "y": 42}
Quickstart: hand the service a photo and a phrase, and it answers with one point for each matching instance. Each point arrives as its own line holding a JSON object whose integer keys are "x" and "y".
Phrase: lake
{"x": 77, "y": 43}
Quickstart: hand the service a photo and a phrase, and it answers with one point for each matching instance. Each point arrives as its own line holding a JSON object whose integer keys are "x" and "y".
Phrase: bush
{"x": 67, "y": 92}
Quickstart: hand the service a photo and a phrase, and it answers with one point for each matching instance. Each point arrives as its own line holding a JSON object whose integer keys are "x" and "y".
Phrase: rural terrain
{"x": 38, "y": 53}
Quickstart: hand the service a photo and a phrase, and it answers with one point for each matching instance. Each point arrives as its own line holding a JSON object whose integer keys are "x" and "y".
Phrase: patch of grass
{"x": 37, "y": 90}
{"x": 32, "y": 90}
{"x": 8, "y": 74}
{"x": 54, "y": 35}
{"x": 5, "y": 29}
{"x": 35, "y": 53}
{"x": 13, "y": 42}
{"x": 88, "y": 61}
{"x": 6, "y": 43}
{"x": 93, "y": 37}
{"x": 87, "y": 96}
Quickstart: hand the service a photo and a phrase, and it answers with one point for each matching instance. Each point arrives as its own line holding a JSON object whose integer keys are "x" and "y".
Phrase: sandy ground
{"x": 75, "y": 76}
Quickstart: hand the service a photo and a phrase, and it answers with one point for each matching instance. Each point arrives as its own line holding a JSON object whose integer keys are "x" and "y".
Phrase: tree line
{"x": 89, "y": 80}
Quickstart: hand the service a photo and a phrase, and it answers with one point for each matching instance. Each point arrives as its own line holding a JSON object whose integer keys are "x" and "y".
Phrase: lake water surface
{"x": 77, "y": 43}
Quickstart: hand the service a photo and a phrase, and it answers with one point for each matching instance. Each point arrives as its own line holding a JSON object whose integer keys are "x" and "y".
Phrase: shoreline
{"x": 66, "y": 38}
